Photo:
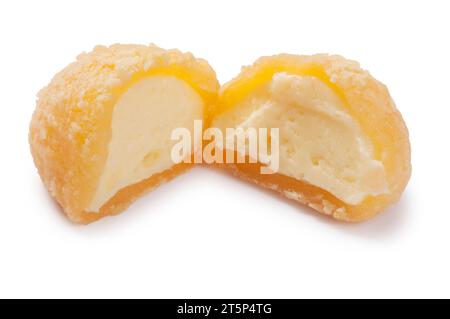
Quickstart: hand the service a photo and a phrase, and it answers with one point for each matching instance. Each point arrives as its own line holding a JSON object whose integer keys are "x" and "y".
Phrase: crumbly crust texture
{"x": 367, "y": 100}
{"x": 70, "y": 128}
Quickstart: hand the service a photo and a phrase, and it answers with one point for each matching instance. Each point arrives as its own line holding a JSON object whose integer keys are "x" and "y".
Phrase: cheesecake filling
{"x": 320, "y": 142}
{"x": 142, "y": 121}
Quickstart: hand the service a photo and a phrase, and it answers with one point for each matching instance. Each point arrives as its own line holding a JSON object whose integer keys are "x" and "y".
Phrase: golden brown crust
{"x": 70, "y": 128}
{"x": 367, "y": 100}
{"x": 127, "y": 195}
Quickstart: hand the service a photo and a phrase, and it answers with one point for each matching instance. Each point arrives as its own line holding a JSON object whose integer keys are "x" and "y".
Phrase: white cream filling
{"x": 142, "y": 122}
{"x": 320, "y": 142}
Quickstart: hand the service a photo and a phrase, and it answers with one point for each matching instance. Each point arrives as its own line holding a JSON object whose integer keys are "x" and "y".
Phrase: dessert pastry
{"x": 101, "y": 132}
{"x": 343, "y": 146}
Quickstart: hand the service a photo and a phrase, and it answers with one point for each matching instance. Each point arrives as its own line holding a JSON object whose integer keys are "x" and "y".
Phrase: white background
{"x": 206, "y": 234}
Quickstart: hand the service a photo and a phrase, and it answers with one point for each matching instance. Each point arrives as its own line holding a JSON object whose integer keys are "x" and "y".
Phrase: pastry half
{"x": 101, "y": 132}
{"x": 343, "y": 146}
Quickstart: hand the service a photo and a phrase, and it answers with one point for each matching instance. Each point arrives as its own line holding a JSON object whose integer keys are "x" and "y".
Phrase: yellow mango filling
{"x": 321, "y": 143}
{"x": 142, "y": 121}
